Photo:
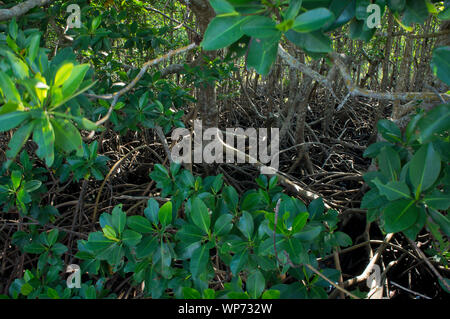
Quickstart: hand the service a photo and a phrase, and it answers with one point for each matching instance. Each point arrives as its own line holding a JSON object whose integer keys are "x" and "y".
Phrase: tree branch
{"x": 21, "y": 9}
{"x": 115, "y": 96}
{"x": 289, "y": 59}
{"x": 354, "y": 90}
{"x": 401, "y": 96}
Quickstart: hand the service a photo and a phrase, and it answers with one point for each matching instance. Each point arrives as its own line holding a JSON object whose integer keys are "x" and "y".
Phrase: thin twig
{"x": 409, "y": 290}
{"x": 429, "y": 264}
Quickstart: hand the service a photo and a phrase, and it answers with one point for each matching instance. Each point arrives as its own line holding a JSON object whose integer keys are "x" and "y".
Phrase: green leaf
{"x": 151, "y": 212}
{"x": 263, "y": 53}
{"x": 16, "y": 179}
{"x": 63, "y": 74}
{"x": 139, "y": 224}
{"x": 415, "y": 229}
{"x": 34, "y": 248}
{"x": 434, "y": 122}
{"x": 8, "y": 88}
{"x": 360, "y": 31}
{"x": 231, "y": 197}
{"x": 13, "y": 29}
{"x": 165, "y": 214}
{"x": 96, "y": 22}
{"x": 33, "y": 47}
{"x": 445, "y": 14}
{"x": 271, "y": 294}
{"x": 59, "y": 249}
{"x": 19, "y": 67}
{"x": 72, "y": 83}
{"x": 199, "y": 260}
{"x": 389, "y": 163}
{"x": 52, "y": 293}
{"x": 438, "y": 200}
{"x": 238, "y": 261}
{"x": 255, "y": 284}
{"x": 396, "y": 5}
{"x": 441, "y": 220}
{"x": 424, "y": 168}
{"x": 119, "y": 218}
{"x": 9, "y": 107}
{"x": 293, "y": 9}
{"x": 400, "y": 215}
{"x": 191, "y": 293}
{"x": 67, "y": 136}
{"x": 109, "y": 232}
{"x": 361, "y": 9}
{"x": 9, "y": 121}
{"x": 416, "y": 11}
{"x": 431, "y": 8}
{"x": 146, "y": 247}
{"x": 26, "y": 289}
{"x": 160, "y": 171}
{"x": 113, "y": 254}
{"x": 440, "y": 63}
{"x": 32, "y": 185}
{"x": 246, "y": 225}
{"x": 217, "y": 184}
{"x": 44, "y": 137}
{"x": 260, "y": 27}
{"x": 85, "y": 123}
{"x": 17, "y": 141}
{"x": 190, "y": 234}
{"x": 280, "y": 229}
{"x": 174, "y": 168}
{"x": 393, "y": 190}
{"x": 295, "y": 250}
{"x": 221, "y": 6}
{"x": 209, "y": 294}
{"x": 374, "y": 149}
{"x": 52, "y": 236}
{"x": 200, "y": 215}
{"x": 299, "y": 222}
{"x": 223, "y": 225}
{"x": 313, "y": 20}
{"x": 316, "y": 208}
{"x": 342, "y": 239}
{"x": 98, "y": 243}
{"x": 223, "y": 31}
{"x": 344, "y": 12}
{"x": 131, "y": 238}
{"x": 308, "y": 233}
{"x": 251, "y": 202}
{"x": 389, "y": 130}
{"x": 63, "y": 99}
{"x": 312, "y": 41}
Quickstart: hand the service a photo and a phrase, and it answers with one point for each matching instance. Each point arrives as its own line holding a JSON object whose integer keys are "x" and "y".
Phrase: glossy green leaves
{"x": 440, "y": 63}
{"x": 302, "y": 29}
{"x": 260, "y": 27}
{"x": 313, "y": 20}
{"x": 223, "y": 31}
{"x": 200, "y": 215}
{"x": 11, "y": 120}
{"x": 400, "y": 215}
{"x": 263, "y": 53}
{"x": 49, "y": 130}
{"x": 424, "y": 168}
{"x": 411, "y": 183}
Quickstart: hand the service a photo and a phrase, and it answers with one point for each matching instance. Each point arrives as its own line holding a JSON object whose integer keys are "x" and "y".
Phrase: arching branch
{"x": 21, "y": 9}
